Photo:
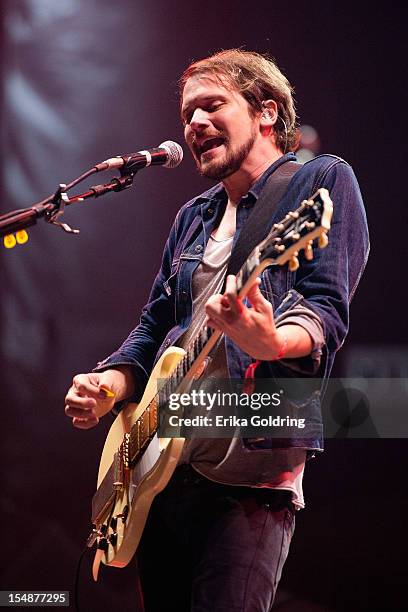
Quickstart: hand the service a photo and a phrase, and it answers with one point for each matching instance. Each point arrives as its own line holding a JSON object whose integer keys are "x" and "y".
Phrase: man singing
{"x": 218, "y": 535}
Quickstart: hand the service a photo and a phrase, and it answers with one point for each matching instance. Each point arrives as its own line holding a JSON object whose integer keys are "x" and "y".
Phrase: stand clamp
{"x": 59, "y": 200}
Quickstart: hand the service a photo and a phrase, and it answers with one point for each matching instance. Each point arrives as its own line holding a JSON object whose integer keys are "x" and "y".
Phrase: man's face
{"x": 219, "y": 128}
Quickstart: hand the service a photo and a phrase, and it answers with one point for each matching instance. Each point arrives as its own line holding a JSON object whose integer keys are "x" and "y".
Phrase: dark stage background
{"x": 86, "y": 80}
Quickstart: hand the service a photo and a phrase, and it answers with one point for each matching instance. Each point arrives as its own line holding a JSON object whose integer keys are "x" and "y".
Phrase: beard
{"x": 219, "y": 170}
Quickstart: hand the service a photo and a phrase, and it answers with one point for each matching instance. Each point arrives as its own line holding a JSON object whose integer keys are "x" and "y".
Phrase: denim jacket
{"x": 325, "y": 284}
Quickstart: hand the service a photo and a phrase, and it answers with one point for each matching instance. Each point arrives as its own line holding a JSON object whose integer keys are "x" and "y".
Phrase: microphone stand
{"x": 53, "y": 207}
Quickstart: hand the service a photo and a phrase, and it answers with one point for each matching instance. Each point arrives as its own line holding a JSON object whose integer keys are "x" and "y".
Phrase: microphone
{"x": 168, "y": 154}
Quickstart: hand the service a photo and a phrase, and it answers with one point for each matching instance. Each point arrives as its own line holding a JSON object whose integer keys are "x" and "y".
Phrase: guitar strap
{"x": 259, "y": 221}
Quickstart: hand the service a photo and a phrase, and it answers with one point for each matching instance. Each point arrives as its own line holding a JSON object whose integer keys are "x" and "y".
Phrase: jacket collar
{"x": 217, "y": 193}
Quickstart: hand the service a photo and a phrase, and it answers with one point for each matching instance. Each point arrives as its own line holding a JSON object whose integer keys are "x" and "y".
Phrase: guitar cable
{"x": 76, "y": 582}
{"x": 79, "y": 563}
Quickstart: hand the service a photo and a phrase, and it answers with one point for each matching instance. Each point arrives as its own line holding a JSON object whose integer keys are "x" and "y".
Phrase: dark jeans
{"x": 214, "y": 548}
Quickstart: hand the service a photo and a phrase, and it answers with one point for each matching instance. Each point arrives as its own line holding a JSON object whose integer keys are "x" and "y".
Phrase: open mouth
{"x": 210, "y": 144}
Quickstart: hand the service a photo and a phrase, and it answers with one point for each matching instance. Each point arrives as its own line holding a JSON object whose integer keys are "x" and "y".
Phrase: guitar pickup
{"x": 118, "y": 471}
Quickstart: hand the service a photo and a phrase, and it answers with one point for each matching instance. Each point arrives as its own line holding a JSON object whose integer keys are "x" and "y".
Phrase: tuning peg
{"x": 293, "y": 263}
{"x": 323, "y": 241}
{"x": 309, "y": 250}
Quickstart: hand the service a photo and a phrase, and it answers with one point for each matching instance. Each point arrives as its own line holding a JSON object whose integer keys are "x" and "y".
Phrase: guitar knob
{"x": 293, "y": 263}
{"x": 113, "y": 522}
{"x": 323, "y": 241}
{"x": 113, "y": 538}
{"x": 124, "y": 514}
{"x": 309, "y": 251}
{"x": 103, "y": 544}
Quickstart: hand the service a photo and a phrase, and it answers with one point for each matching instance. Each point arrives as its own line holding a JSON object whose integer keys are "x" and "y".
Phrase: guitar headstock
{"x": 298, "y": 230}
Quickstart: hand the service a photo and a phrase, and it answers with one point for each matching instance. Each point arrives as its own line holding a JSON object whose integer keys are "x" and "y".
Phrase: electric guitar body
{"x": 125, "y": 513}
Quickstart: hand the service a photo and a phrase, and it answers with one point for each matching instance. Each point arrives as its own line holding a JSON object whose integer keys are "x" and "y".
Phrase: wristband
{"x": 249, "y": 378}
{"x": 283, "y": 348}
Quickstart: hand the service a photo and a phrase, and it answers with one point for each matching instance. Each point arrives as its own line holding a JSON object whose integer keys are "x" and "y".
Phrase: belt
{"x": 275, "y": 499}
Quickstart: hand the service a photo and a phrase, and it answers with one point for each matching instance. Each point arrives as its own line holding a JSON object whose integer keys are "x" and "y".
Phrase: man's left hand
{"x": 252, "y": 329}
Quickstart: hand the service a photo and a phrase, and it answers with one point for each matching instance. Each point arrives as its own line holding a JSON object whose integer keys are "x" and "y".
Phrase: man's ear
{"x": 269, "y": 113}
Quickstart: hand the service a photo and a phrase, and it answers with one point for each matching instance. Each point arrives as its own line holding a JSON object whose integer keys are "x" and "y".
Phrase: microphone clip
{"x": 127, "y": 171}
{"x": 59, "y": 200}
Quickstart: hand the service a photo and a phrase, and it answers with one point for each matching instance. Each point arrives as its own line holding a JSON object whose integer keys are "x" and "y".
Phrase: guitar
{"x": 136, "y": 464}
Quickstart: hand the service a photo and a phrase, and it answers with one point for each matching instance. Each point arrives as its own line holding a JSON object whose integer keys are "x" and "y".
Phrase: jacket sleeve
{"x": 327, "y": 283}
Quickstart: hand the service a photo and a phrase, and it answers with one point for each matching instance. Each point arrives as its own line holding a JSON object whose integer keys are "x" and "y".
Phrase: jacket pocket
{"x": 169, "y": 284}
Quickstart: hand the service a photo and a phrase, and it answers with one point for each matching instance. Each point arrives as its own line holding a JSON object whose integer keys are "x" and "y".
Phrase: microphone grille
{"x": 175, "y": 153}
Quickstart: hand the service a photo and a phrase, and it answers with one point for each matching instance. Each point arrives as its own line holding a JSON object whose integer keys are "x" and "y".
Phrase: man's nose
{"x": 199, "y": 119}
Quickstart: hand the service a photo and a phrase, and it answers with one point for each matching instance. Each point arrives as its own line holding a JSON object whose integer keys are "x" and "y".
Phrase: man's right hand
{"x": 86, "y": 401}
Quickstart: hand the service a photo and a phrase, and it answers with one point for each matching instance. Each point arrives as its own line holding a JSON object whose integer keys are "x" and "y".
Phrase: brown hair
{"x": 257, "y": 78}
